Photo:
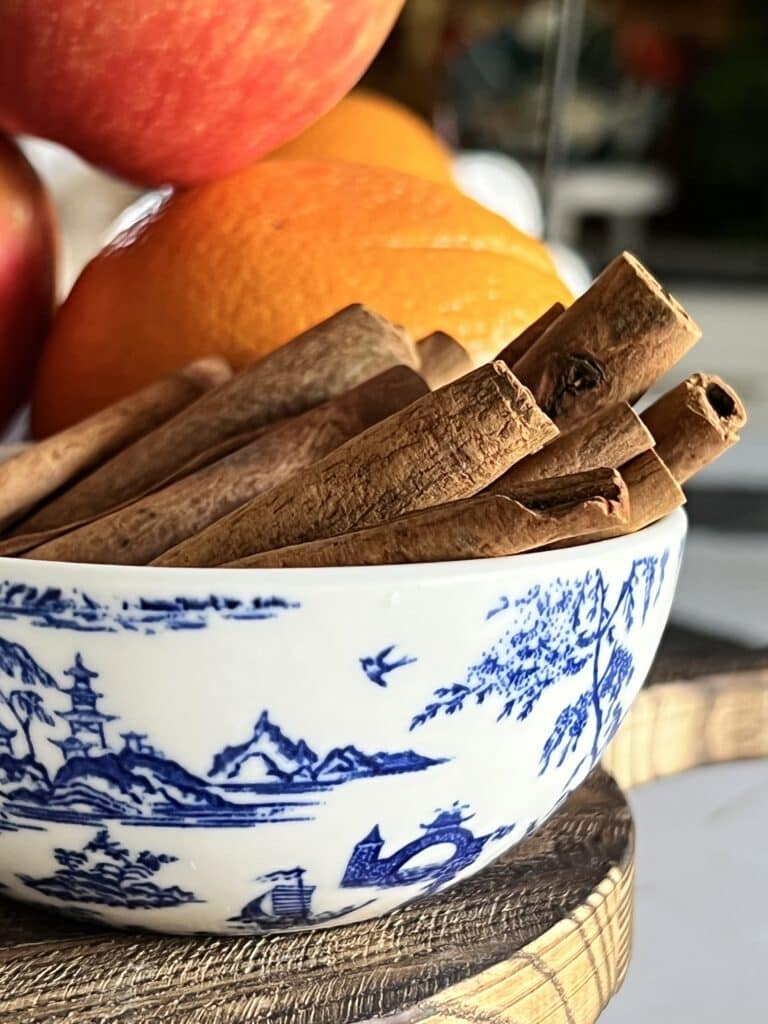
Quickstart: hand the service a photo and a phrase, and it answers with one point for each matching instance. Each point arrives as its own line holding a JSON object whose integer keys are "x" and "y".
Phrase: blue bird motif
{"x": 377, "y": 667}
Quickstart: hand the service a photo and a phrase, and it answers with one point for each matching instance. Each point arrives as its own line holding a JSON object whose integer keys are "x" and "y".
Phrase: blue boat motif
{"x": 367, "y": 866}
{"x": 105, "y": 872}
{"x": 287, "y": 903}
{"x": 570, "y": 628}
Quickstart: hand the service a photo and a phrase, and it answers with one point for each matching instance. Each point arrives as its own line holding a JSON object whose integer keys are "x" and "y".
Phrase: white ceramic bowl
{"x": 245, "y": 751}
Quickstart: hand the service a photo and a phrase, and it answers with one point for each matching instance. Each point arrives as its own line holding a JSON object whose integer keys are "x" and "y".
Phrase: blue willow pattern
{"x": 568, "y": 628}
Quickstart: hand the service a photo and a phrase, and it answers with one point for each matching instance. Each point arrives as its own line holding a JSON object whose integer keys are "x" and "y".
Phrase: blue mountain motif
{"x": 137, "y": 784}
{"x": 269, "y": 756}
{"x": 287, "y": 903}
{"x": 54, "y": 609}
{"x": 107, "y": 873}
{"x": 367, "y": 866}
{"x": 570, "y": 628}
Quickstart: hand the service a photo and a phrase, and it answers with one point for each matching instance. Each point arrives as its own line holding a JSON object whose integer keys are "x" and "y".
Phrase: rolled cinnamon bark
{"x": 694, "y": 423}
{"x": 653, "y": 494}
{"x": 611, "y": 438}
{"x": 19, "y": 541}
{"x": 485, "y": 526}
{"x": 609, "y": 346}
{"x": 325, "y": 361}
{"x": 516, "y": 349}
{"x": 443, "y": 359}
{"x": 144, "y": 529}
{"x": 35, "y": 473}
{"x": 448, "y": 445}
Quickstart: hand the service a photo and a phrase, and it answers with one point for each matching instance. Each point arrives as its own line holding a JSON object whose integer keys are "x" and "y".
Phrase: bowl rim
{"x": 669, "y": 527}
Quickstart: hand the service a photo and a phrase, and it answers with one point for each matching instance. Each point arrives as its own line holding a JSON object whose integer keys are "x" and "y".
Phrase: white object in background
{"x": 87, "y": 201}
{"x": 572, "y": 268}
{"x": 131, "y": 216}
{"x": 625, "y": 194}
{"x": 504, "y": 186}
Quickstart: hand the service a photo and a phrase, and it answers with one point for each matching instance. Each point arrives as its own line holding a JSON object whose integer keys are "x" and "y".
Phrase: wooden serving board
{"x": 542, "y": 935}
{"x": 545, "y": 931}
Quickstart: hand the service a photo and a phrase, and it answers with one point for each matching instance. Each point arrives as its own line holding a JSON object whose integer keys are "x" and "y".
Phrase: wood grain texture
{"x": 542, "y": 934}
{"x": 721, "y": 715}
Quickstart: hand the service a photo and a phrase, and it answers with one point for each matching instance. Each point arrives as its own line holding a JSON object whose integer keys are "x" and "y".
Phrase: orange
{"x": 241, "y": 265}
{"x": 368, "y": 128}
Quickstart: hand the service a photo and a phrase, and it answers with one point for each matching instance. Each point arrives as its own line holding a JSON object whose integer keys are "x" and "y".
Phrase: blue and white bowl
{"x": 254, "y": 751}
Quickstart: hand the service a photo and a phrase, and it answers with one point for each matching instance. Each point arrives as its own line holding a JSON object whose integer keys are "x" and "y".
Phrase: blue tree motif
{"x": 105, "y": 872}
{"x": 25, "y": 705}
{"x": 28, "y": 707}
{"x": 570, "y": 628}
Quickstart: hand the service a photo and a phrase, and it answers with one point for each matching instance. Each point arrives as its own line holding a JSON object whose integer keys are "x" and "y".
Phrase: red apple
{"x": 27, "y": 247}
{"x": 180, "y": 91}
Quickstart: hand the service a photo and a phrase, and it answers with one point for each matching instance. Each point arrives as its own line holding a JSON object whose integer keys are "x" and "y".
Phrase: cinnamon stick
{"x": 653, "y": 494}
{"x": 517, "y": 348}
{"x": 448, "y": 445}
{"x": 38, "y": 471}
{"x": 325, "y": 361}
{"x": 19, "y": 541}
{"x": 485, "y": 526}
{"x": 144, "y": 529}
{"x": 610, "y": 438}
{"x": 609, "y": 346}
{"x": 443, "y": 359}
{"x": 694, "y": 423}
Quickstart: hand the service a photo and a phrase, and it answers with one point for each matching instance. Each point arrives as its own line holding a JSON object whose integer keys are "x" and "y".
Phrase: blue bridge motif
{"x": 367, "y": 866}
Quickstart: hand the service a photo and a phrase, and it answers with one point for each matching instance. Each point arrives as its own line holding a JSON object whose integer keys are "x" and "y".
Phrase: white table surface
{"x": 701, "y": 930}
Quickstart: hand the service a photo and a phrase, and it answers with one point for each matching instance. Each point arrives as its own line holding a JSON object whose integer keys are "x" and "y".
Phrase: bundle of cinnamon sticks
{"x": 353, "y": 445}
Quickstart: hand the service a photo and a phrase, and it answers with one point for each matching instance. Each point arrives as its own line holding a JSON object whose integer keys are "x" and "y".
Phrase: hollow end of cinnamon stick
{"x": 653, "y": 494}
{"x": 694, "y": 423}
{"x": 572, "y": 488}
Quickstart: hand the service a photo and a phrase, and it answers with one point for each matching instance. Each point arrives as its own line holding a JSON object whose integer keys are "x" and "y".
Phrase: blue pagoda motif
{"x": 86, "y": 722}
{"x": 136, "y": 743}
{"x": 6, "y": 738}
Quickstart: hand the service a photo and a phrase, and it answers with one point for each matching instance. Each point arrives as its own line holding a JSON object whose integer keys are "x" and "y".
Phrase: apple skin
{"x": 27, "y": 275}
{"x": 180, "y": 91}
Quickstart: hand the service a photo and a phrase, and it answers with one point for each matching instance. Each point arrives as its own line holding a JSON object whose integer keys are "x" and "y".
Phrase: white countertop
{"x": 701, "y": 930}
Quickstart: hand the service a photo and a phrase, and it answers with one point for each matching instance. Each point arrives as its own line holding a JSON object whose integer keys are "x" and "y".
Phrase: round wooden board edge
{"x": 676, "y": 726}
{"x": 569, "y": 974}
